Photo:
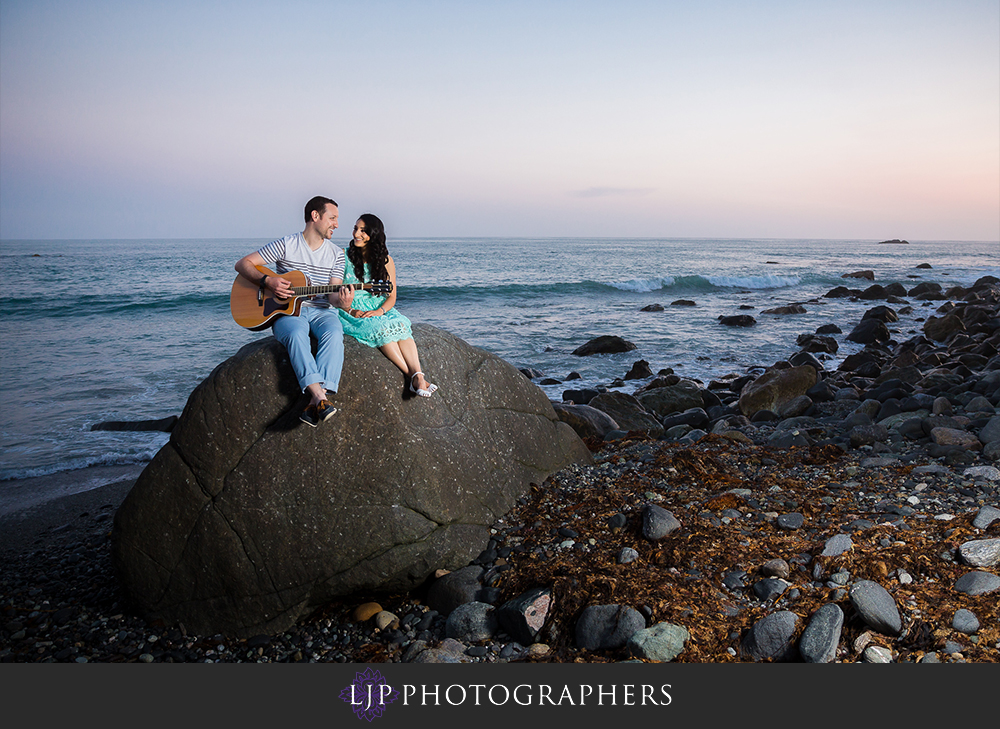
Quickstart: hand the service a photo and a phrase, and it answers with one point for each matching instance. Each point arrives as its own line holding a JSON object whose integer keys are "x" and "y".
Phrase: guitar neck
{"x": 329, "y": 289}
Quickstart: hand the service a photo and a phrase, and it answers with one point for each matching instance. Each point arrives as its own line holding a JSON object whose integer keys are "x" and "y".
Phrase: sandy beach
{"x": 63, "y": 505}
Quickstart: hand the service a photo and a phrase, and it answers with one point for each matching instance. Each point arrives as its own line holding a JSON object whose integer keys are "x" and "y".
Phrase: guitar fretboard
{"x": 331, "y": 289}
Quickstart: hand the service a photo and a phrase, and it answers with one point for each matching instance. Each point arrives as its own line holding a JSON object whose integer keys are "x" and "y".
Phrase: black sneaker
{"x": 315, "y": 414}
{"x": 325, "y": 410}
{"x": 310, "y": 416}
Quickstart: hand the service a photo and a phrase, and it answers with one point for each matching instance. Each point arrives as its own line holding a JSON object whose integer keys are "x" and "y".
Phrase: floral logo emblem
{"x": 369, "y": 694}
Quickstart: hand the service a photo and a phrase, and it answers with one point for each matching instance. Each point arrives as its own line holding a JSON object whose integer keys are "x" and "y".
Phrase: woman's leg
{"x": 391, "y": 350}
{"x": 404, "y": 355}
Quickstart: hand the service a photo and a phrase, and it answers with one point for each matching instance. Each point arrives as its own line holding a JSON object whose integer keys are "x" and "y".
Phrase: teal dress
{"x": 374, "y": 330}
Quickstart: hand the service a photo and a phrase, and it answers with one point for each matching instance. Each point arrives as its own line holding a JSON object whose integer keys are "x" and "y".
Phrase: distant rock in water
{"x": 640, "y": 371}
{"x": 841, "y": 292}
{"x": 164, "y": 424}
{"x": 873, "y": 292}
{"x": 924, "y": 265}
{"x": 870, "y": 275}
{"x": 682, "y": 302}
{"x": 739, "y": 320}
{"x": 790, "y": 309}
{"x": 247, "y": 519}
{"x": 893, "y": 241}
{"x": 605, "y": 344}
{"x": 652, "y": 307}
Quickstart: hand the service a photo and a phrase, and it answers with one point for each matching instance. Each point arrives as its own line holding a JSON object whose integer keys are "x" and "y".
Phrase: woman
{"x": 374, "y": 320}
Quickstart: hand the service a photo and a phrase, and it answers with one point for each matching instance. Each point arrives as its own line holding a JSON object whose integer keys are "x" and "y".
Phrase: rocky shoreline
{"x": 853, "y": 517}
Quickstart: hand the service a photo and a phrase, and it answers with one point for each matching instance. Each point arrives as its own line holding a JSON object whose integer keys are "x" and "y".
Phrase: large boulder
{"x": 628, "y": 412}
{"x": 775, "y": 388}
{"x": 247, "y": 519}
{"x": 940, "y": 328}
{"x": 676, "y": 398}
{"x": 588, "y": 422}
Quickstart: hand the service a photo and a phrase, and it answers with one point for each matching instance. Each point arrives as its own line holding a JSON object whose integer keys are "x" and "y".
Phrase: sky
{"x": 858, "y": 120}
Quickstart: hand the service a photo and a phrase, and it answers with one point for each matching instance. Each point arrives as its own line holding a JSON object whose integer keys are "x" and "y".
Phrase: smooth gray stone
{"x": 734, "y": 579}
{"x": 876, "y": 607}
{"x": 454, "y": 589}
{"x": 951, "y": 646}
{"x": 791, "y": 521}
{"x": 784, "y": 440}
{"x": 934, "y": 468}
{"x": 989, "y": 473}
{"x": 977, "y": 583}
{"x": 769, "y": 588}
{"x": 471, "y": 622}
{"x": 692, "y": 436}
{"x": 776, "y": 568}
{"x": 822, "y": 635}
{"x": 657, "y": 522}
{"x": 607, "y": 626}
{"x": 879, "y": 462}
{"x": 877, "y": 654}
{"x": 980, "y": 552}
{"x": 627, "y": 555}
{"x": 836, "y": 545}
{"x": 770, "y": 638}
{"x": 965, "y": 621}
{"x": 868, "y": 434}
{"x": 991, "y": 431}
{"x": 662, "y": 642}
{"x": 985, "y": 516}
{"x": 436, "y": 655}
{"x": 855, "y": 419}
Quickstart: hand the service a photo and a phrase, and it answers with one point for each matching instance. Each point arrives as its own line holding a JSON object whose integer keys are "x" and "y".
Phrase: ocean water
{"x": 98, "y": 330}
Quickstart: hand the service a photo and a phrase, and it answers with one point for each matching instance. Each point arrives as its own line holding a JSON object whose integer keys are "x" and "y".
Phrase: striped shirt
{"x": 292, "y": 253}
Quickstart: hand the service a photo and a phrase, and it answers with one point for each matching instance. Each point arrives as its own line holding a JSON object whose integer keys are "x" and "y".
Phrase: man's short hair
{"x": 318, "y": 204}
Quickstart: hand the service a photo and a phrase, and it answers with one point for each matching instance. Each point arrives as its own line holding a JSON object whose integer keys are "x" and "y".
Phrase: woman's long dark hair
{"x": 375, "y": 253}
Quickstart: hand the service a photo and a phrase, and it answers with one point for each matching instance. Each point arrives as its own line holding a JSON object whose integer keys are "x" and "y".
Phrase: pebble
{"x": 662, "y": 642}
{"x": 985, "y": 516}
{"x": 977, "y": 583}
{"x": 877, "y": 654}
{"x": 770, "y": 638}
{"x": 980, "y": 552}
{"x": 627, "y": 555}
{"x": 822, "y": 635}
{"x": 876, "y": 607}
{"x": 837, "y": 545}
{"x": 965, "y": 621}
{"x": 657, "y": 522}
{"x": 600, "y": 627}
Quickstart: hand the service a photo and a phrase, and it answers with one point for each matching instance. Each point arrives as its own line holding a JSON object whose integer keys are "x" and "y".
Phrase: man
{"x": 312, "y": 253}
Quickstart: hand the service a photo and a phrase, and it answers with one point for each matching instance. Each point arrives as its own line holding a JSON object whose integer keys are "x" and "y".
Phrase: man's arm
{"x": 247, "y": 268}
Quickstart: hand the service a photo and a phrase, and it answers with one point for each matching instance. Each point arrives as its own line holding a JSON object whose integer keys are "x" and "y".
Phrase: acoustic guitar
{"x": 256, "y": 308}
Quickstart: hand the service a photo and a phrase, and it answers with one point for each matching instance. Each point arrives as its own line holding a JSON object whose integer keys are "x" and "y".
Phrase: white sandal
{"x": 420, "y": 391}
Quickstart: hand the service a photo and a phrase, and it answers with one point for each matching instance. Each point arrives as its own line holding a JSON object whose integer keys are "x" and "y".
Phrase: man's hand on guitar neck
{"x": 344, "y": 297}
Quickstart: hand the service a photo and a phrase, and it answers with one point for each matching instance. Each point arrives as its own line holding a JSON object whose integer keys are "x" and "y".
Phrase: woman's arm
{"x": 390, "y": 300}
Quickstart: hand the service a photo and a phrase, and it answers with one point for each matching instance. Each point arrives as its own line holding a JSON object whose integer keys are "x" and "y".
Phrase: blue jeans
{"x": 324, "y": 324}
